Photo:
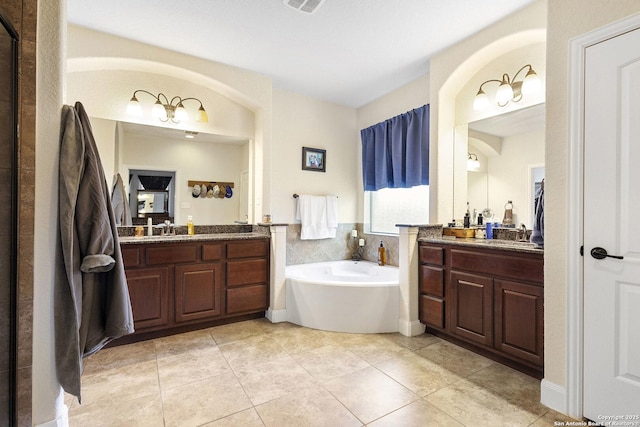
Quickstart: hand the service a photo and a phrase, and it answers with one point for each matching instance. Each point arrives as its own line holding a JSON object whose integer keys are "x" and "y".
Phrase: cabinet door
{"x": 519, "y": 319}
{"x": 149, "y": 294}
{"x": 198, "y": 291}
{"x": 472, "y": 307}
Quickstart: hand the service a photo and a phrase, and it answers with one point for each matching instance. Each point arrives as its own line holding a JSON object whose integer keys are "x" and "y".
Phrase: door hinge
{"x": 581, "y": 250}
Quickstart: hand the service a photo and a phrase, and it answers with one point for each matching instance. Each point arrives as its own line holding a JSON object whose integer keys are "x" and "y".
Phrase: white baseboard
{"x": 410, "y": 329}
{"x": 276, "y": 316}
{"x": 553, "y": 396}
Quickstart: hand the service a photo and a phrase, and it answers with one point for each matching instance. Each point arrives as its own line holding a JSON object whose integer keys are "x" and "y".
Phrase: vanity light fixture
{"x": 509, "y": 89}
{"x": 190, "y": 134}
{"x": 472, "y": 162}
{"x": 166, "y": 110}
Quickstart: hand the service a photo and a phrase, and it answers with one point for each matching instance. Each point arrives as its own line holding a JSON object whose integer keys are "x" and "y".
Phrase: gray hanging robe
{"x": 91, "y": 298}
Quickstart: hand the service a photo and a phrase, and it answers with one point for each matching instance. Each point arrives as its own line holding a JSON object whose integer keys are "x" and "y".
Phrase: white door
{"x": 612, "y": 222}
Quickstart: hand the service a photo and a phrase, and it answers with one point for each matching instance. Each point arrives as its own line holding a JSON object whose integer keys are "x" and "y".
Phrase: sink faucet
{"x": 523, "y": 233}
{"x": 166, "y": 230}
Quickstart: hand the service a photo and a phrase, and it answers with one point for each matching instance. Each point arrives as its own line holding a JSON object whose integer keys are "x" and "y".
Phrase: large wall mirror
{"x": 510, "y": 153}
{"x": 157, "y": 164}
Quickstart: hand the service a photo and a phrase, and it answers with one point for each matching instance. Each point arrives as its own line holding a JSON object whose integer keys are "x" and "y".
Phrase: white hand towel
{"x": 312, "y": 213}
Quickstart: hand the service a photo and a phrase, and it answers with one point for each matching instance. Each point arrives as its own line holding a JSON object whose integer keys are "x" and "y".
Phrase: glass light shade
{"x": 473, "y": 164}
{"x": 504, "y": 93}
{"x": 531, "y": 83}
{"x": 181, "y": 113}
{"x": 202, "y": 116}
{"x": 134, "y": 107}
{"x": 159, "y": 111}
{"x": 481, "y": 101}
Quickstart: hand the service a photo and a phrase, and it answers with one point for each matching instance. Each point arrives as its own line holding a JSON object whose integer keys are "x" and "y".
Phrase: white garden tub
{"x": 343, "y": 296}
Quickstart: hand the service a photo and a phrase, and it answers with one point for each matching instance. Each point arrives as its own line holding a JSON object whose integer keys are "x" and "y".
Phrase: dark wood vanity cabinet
{"x": 182, "y": 284}
{"x": 490, "y": 300}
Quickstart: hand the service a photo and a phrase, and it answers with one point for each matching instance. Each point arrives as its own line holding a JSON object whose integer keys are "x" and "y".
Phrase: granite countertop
{"x": 508, "y": 245}
{"x": 194, "y": 238}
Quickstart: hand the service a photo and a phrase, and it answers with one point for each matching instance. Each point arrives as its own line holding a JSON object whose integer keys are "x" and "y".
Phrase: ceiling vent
{"x": 306, "y": 6}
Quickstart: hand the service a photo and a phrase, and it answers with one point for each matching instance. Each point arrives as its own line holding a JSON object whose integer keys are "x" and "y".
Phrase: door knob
{"x": 601, "y": 253}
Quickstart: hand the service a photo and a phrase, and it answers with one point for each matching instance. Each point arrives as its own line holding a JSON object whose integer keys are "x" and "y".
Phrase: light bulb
{"x": 202, "y": 115}
{"x": 504, "y": 93}
{"x": 134, "y": 107}
{"x": 159, "y": 111}
{"x": 180, "y": 113}
{"x": 531, "y": 83}
{"x": 481, "y": 101}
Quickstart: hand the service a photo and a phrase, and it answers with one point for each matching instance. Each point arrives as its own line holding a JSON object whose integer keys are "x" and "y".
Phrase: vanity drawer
{"x": 432, "y": 280}
{"x": 131, "y": 256}
{"x": 248, "y": 249}
{"x": 247, "y": 299}
{"x": 173, "y": 254}
{"x": 432, "y": 311}
{"x": 502, "y": 264}
{"x": 246, "y": 272}
{"x": 211, "y": 252}
{"x": 431, "y": 255}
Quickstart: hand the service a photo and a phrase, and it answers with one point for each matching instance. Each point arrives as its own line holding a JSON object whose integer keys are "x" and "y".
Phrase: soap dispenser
{"x": 190, "y": 227}
{"x": 382, "y": 254}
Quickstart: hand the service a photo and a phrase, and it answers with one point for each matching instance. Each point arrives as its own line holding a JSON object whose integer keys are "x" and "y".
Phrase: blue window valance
{"x": 395, "y": 153}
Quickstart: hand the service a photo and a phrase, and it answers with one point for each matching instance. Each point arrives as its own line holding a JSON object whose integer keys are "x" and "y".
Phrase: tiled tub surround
{"x": 339, "y": 248}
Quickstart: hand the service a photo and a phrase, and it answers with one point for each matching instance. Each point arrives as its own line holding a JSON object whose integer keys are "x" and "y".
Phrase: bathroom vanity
{"x": 179, "y": 283}
{"x": 486, "y": 296}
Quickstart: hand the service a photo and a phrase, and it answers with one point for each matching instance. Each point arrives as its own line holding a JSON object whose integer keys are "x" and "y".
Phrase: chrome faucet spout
{"x": 523, "y": 233}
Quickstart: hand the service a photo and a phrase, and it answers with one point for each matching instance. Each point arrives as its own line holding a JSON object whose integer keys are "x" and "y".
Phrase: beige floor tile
{"x": 369, "y": 394}
{"x": 413, "y": 343}
{"x": 474, "y": 405}
{"x": 274, "y": 328}
{"x": 141, "y": 412}
{"x": 417, "y": 414}
{"x": 267, "y": 381}
{"x": 418, "y": 374}
{"x": 299, "y": 340}
{"x": 553, "y": 419}
{"x": 176, "y": 344}
{"x": 329, "y": 362}
{"x": 246, "y": 418}
{"x": 375, "y": 348}
{"x": 252, "y": 350}
{"x": 516, "y": 387}
{"x": 191, "y": 366}
{"x": 312, "y": 408}
{"x": 122, "y": 355}
{"x": 204, "y": 401}
{"x": 235, "y": 332}
{"x": 120, "y": 384}
{"x": 454, "y": 358}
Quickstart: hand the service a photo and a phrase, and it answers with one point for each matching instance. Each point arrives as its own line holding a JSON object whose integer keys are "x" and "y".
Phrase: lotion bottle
{"x": 149, "y": 227}
{"x": 190, "y": 227}
{"x": 382, "y": 254}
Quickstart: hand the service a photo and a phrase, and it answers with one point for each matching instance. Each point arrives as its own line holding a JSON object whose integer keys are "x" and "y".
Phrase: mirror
{"x": 158, "y": 166}
{"x": 510, "y": 149}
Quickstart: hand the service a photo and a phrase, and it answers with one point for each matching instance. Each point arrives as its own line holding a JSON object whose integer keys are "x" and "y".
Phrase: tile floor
{"x": 255, "y": 373}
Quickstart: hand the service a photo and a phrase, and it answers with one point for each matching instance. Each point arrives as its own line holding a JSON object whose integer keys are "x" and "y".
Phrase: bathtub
{"x": 343, "y": 296}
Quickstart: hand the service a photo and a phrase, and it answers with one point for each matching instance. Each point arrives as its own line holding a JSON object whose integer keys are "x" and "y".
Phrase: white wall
{"x": 508, "y": 175}
{"x": 567, "y": 19}
{"x": 300, "y": 121}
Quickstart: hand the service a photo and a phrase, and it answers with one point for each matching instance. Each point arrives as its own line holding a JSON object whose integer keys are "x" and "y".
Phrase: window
{"x": 390, "y": 206}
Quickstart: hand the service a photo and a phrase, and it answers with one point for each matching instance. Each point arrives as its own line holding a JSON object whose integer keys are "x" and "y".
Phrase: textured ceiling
{"x": 348, "y": 51}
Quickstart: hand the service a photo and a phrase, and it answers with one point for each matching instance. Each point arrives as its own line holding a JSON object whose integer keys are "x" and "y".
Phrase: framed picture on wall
{"x": 314, "y": 159}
